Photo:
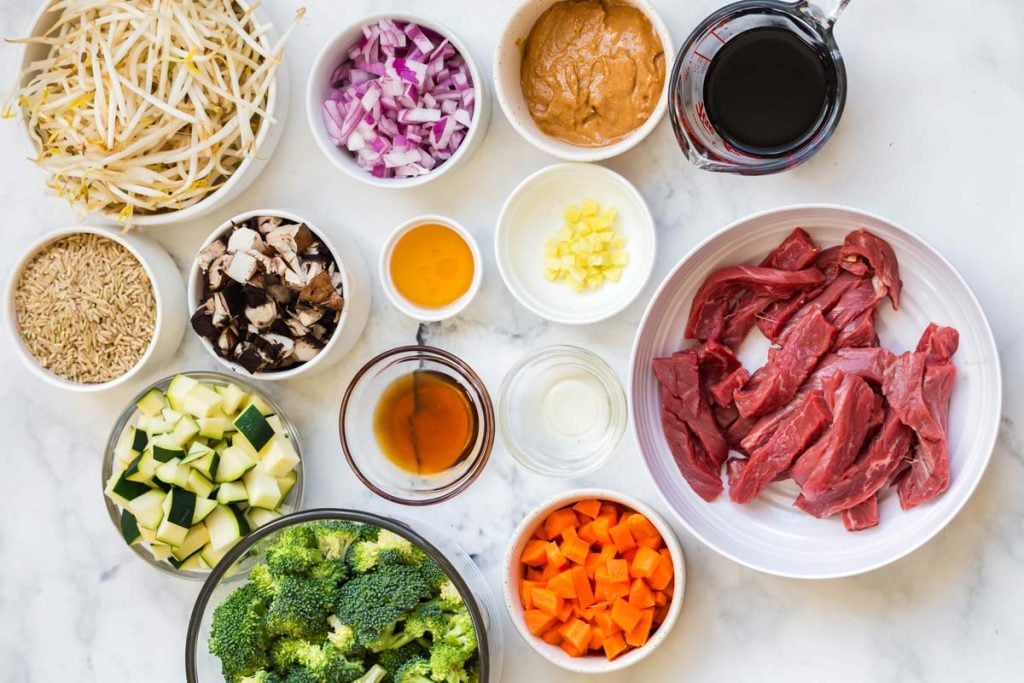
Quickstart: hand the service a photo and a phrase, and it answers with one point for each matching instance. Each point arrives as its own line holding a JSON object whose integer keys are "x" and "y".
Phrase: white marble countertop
{"x": 930, "y": 138}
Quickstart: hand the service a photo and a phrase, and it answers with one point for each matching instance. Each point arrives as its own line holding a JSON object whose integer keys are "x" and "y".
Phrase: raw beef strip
{"x": 938, "y": 343}
{"x": 718, "y": 294}
{"x": 823, "y": 300}
{"x": 776, "y": 383}
{"x": 869, "y": 363}
{"x": 861, "y": 244}
{"x": 775, "y": 440}
{"x": 796, "y": 252}
{"x": 863, "y": 516}
{"x": 884, "y": 456}
{"x": 734, "y": 469}
{"x": 855, "y": 410}
{"x": 903, "y": 386}
{"x": 860, "y": 332}
{"x": 690, "y": 458}
{"x": 929, "y": 468}
{"x": 722, "y": 392}
{"x": 720, "y": 371}
{"x": 738, "y": 430}
{"x": 776, "y": 315}
{"x": 862, "y": 296}
{"x": 685, "y": 397}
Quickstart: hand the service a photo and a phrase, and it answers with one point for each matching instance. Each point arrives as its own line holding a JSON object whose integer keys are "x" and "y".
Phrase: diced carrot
{"x": 629, "y": 555}
{"x": 601, "y": 605}
{"x": 640, "y": 526}
{"x": 587, "y": 534}
{"x": 622, "y": 538}
{"x": 552, "y": 636}
{"x": 535, "y": 553}
{"x": 590, "y": 507}
{"x": 608, "y": 553}
{"x": 584, "y": 592}
{"x": 662, "y": 575}
{"x": 547, "y": 601}
{"x": 533, "y": 574}
{"x": 563, "y": 585}
{"x": 571, "y": 649}
{"x": 549, "y": 572}
{"x": 568, "y": 534}
{"x": 653, "y": 542}
{"x": 610, "y": 510}
{"x": 606, "y": 590}
{"x": 625, "y": 615}
{"x": 640, "y": 595}
{"x": 582, "y": 612}
{"x": 603, "y": 619}
{"x": 642, "y": 631}
{"x": 601, "y": 572}
{"x": 555, "y": 557}
{"x": 593, "y": 560}
{"x": 576, "y": 550}
{"x": 526, "y": 592}
{"x": 670, "y": 589}
{"x": 577, "y": 632}
{"x": 660, "y": 598}
{"x": 566, "y": 613}
{"x": 660, "y": 613}
{"x": 538, "y": 621}
{"x": 614, "y": 645}
{"x": 618, "y": 571}
{"x": 645, "y": 563}
{"x": 558, "y": 520}
{"x": 601, "y": 526}
{"x": 596, "y": 637}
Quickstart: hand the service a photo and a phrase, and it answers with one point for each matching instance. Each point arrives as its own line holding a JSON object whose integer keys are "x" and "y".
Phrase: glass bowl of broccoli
{"x": 343, "y": 596}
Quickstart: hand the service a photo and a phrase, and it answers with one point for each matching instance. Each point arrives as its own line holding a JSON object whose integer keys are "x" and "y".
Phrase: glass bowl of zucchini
{"x": 196, "y": 462}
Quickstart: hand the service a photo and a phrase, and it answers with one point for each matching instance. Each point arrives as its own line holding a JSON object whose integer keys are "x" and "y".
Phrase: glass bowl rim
{"x": 320, "y": 514}
{"x": 123, "y": 420}
{"x": 486, "y": 406}
{"x": 600, "y": 368}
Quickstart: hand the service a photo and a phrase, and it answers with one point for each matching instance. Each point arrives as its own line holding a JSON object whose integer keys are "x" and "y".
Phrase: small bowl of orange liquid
{"x": 430, "y": 268}
{"x": 417, "y": 425}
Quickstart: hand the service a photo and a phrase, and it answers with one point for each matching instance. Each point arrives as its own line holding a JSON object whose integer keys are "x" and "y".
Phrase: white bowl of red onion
{"x": 396, "y": 100}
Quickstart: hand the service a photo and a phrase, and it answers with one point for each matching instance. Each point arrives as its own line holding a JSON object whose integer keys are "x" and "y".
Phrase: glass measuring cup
{"x": 695, "y": 132}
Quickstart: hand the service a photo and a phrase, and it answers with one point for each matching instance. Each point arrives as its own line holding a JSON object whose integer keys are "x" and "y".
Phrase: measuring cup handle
{"x": 825, "y": 12}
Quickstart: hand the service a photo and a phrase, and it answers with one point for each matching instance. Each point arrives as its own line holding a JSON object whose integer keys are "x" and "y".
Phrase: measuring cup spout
{"x": 824, "y": 12}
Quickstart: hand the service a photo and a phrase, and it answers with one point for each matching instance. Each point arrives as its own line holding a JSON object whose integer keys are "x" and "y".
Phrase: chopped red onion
{"x": 402, "y": 102}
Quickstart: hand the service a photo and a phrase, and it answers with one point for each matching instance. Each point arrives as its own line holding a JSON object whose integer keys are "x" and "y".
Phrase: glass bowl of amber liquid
{"x": 417, "y": 425}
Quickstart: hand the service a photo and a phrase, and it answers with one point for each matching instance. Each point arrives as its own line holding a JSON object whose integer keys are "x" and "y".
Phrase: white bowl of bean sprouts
{"x": 187, "y": 124}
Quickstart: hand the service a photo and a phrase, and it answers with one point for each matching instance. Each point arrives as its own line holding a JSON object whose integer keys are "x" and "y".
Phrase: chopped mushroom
{"x": 272, "y": 293}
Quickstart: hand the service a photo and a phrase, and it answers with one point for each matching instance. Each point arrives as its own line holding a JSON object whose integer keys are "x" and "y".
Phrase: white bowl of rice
{"x": 88, "y": 309}
{"x": 169, "y": 179}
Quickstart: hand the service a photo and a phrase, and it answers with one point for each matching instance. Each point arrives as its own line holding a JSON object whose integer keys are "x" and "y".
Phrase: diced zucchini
{"x": 226, "y": 525}
{"x": 286, "y": 482}
{"x": 138, "y": 439}
{"x": 263, "y": 490}
{"x": 280, "y": 457}
{"x": 148, "y": 508}
{"x": 254, "y": 426}
{"x": 130, "y": 528}
{"x": 152, "y": 402}
{"x": 199, "y": 484}
{"x": 204, "y": 506}
{"x": 184, "y": 430}
{"x": 179, "y": 507}
{"x": 122, "y": 490}
{"x": 239, "y": 441}
{"x": 194, "y": 563}
{"x": 154, "y": 425}
{"x": 195, "y": 451}
{"x": 197, "y": 537}
{"x": 255, "y": 400}
{"x": 214, "y": 427}
{"x": 174, "y": 473}
{"x": 275, "y": 423}
{"x": 148, "y": 535}
{"x": 171, "y": 534}
{"x": 232, "y": 397}
{"x": 206, "y": 465}
{"x": 231, "y": 491}
{"x": 166, "y": 448}
{"x": 212, "y": 556}
{"x": 147, "y": 466}
{"x": 202, "y": 401}
{"x": 178, "y": 389}
{"x": 234, "y": 462}
{"x": 258, "y": 516}
{"x": 171, "y": 416}
{"x": 161, "y": 551}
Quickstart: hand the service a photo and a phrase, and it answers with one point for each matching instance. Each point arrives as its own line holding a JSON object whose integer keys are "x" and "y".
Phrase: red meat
{"x": 879, "y": 257}
{"x": 929, "y": 469}
{"x": 685, "y": 397}
{"x": 776, "y": 383}
{"x": 690, "y": 458}
{"x": 863, "y": 516}
{"x": 868, "y": 363}
{"x": 859, "y": 332}
{"x": 775, "y": 440}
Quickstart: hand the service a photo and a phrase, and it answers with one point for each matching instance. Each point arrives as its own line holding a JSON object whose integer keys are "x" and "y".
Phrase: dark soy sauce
{"x": 767, "y": 91}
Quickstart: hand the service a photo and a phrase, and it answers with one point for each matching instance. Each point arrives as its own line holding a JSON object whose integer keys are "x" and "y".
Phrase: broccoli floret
{"x": 323, "y": 663}
{"x": 450, "y": 596}
{"x": 448, "y": 663}
{"x": 301, "y": 607}
{"x": 432, "y": 572}
{"x": 294, "y": 551}
{"x": 261, "y": 676}
{"x": 264, "y": 582}
{"x": 459, "y": 633}
{"x": 238, "y": 636}
{"x": 365, "y": 555}
{"x": 333, "y": 570}
{"x": 428, "y": 617}
{"x": 373, "y": 603}
{"x": 333, "y": 537}
{"x": 393, "y": 660}
{"x": 416, "y": 670}
{"x": 376, "y": 674}
{"x": 298, "y": 674}
{"x": 344, "y": 638}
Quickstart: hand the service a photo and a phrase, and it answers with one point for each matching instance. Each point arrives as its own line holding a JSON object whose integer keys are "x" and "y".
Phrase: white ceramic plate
{"x": 769, "y": 534}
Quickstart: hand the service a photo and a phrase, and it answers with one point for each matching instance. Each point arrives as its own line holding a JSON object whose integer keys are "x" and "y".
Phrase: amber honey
{"x": 432, "y": 266}
{"x": 425, "y": 422}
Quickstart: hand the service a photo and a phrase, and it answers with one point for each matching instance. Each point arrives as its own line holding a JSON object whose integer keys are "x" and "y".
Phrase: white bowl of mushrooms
{"x": 271, "y": 297}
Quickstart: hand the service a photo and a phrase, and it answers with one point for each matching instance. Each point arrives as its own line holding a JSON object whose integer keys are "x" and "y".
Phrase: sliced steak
{"x": 862, "y": 516}
{"x": 692, "y": 462}
{"x": 685, "y": 397}
{"x": 868, "y": 363}
{"x": 862, "y": 251}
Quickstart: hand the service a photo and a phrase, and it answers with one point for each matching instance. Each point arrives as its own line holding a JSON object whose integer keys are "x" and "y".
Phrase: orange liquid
{"x": 432, "y": 266}
{"x": 424, "y": 422}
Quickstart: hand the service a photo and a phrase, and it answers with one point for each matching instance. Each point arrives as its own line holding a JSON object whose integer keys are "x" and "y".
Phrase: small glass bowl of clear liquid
{"x": 562, "y": 411}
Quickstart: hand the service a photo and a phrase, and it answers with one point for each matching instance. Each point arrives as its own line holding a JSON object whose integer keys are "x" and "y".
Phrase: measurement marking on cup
{"x": 720, "y": 38}
{"x": 704, "y": 57}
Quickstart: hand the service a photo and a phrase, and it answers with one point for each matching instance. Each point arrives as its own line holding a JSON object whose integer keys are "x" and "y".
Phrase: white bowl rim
{"x": 539, "y": 175}
{"x": 422, "y": 313}
{"x": 211, "y": 200}
{"x": 564, "y": 150}
{"x": 554, "y": 654}
{"x": 193, "y": 295}
{"x": 992, "y": 350}
{"x": 12, "y": 327}
{"x": 341, "y": 158}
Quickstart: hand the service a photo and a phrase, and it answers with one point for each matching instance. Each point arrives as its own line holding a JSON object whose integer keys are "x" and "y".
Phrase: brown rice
{"x": 85, "y": 308}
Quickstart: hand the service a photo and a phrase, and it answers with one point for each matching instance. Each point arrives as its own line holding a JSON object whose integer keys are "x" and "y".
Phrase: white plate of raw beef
{"x": 792, "y": 417}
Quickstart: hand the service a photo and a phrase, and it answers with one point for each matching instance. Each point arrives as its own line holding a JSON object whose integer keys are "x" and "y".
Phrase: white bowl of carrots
{"x": 594, "y": 580}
